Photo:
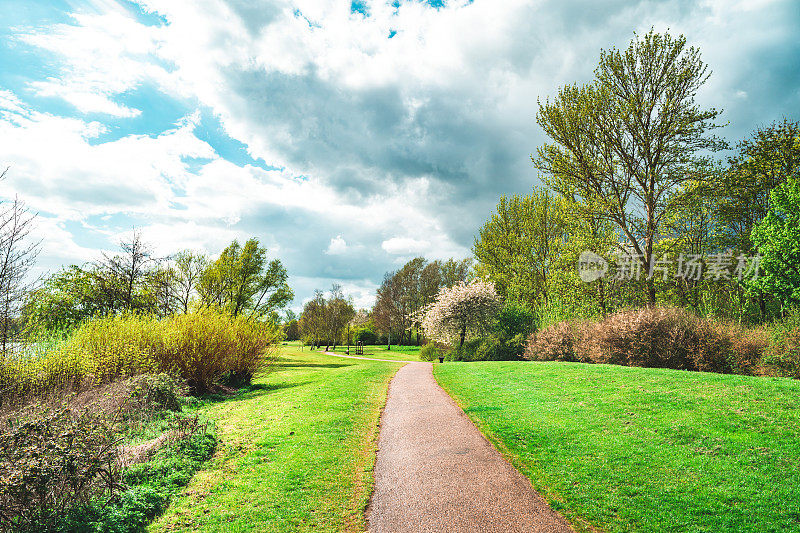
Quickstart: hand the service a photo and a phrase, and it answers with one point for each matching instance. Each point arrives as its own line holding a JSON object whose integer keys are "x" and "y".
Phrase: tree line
{"x": 395, "y": 317}
{"x": 241, "y": 281}
{"x": 630, "y": 175}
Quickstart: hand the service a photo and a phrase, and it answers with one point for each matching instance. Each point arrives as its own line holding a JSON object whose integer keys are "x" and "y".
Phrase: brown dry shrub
{"x": 563, "y": 341}
{"x": 746, "y": 347}
{"x": 650, "y": 337}
{"x": 654, "y": 337}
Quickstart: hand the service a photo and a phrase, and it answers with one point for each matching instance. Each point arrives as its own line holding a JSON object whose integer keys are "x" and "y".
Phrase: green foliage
{"x": 464, "y": 352}
{"x": 200, "y": 348}
{"x": 777, "y": 239}
{"x": 68, "y": 297}
{"x": 514, "y": 319}
{"x": 429, "y": 352}
{"x": 517, "y": 247}
{"x": 762, "y": 162}
{"x": 242, "y": 281}
{"x": 291, "y": 330}
{"x": 365, "y": 335}
{"x": 501, "y": 348}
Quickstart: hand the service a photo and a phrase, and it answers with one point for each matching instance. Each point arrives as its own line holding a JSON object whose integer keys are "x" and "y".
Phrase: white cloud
{"x": 403, "y": 144}
{"x": 338, "y": 246}
{"x": 405, "y": 246}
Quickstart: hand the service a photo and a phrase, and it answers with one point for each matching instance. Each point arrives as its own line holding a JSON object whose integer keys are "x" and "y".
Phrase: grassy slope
{"x": 643, "y": 449}
{"x": 296, "y": 454}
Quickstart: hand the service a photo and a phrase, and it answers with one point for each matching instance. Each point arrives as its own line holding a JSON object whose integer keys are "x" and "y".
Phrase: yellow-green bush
{"x": 201, "y": 348}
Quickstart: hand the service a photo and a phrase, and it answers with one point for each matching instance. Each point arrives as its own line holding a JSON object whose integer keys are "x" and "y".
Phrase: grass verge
{"x": 296, "y": 451}
{"x": 639, "y": 449}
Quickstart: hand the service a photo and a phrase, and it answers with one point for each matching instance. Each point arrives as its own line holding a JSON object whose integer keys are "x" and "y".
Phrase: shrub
{"x": 199, "y": 348}
{"x": 64, "y": 471}
{"x": 149, "y": 485}
{"x": 498, "y": 348}
{"x": 514, "y": 319}
{"x": 51, "y": 462}
{"x": 656, "y": 337}
{"x": 557, "y": 342}
{"x": 366, "y": 336}
{"x": 429, "y": 352}
{"x": 782, "y": 357}
{"x": 467, "y": 352}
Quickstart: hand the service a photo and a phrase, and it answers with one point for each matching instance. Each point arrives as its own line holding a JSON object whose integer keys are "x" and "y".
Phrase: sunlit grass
{"x": 636, "y": 449}
{"x": 296, "y": 452}
{"x": 381, "y": 351}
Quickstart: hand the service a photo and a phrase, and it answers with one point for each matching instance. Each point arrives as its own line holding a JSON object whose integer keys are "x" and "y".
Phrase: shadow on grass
{"x": 313, "y": 365}
{"x": 249, "y": 391}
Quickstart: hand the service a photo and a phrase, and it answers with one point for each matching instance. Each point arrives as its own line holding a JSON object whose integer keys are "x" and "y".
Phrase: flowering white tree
{"x": 461, "y": 311}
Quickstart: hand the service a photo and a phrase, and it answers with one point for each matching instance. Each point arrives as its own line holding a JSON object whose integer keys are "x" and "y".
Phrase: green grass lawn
{"x": 296, "y": 451}
{"x": 633, "y": 449}
{"x": 397, "y": 353}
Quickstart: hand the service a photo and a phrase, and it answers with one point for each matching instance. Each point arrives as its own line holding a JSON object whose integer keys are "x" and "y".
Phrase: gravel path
{"x": 436, "y": 473}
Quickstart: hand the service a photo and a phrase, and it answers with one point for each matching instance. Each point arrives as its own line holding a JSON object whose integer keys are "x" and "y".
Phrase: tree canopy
{"x": 624, "y": 143}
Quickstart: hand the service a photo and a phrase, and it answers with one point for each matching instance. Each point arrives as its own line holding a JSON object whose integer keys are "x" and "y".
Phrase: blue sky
{"x": 346, "y": 136}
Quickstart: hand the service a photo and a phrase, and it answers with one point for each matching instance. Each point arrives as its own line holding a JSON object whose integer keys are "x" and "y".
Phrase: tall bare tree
{"x": 128, "y": 272}
{"x": 17, "y": 255}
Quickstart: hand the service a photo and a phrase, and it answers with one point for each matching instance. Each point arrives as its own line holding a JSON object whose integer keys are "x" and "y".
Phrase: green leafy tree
{"x": 66, "y": 298}
{"x": 312, "y": 320}
{"x": 517, "y": 248}
{"x": 765, "y": 160}
{"x": 242, "y": 281}
{"x": 188, "y": 268}
{"x": 777, "y": 240}
{"x": 762, "y": 162}
{"x": 625, "y": 143}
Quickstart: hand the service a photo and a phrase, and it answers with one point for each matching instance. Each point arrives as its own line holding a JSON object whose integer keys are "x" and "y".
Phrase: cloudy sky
{"x": 346, "y": 136}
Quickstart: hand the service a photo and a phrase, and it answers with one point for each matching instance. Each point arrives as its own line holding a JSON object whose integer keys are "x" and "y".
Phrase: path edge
{"x": 368, "y": 507}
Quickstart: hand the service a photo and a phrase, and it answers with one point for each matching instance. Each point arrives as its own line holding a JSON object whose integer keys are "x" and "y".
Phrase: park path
{"x": 435, "y": 472}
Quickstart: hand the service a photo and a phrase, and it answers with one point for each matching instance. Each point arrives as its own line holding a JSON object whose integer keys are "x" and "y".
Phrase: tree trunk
{"x": 463, "y": 335}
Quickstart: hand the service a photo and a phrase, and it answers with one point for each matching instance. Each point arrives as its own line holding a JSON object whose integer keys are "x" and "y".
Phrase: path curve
{"x": 435, "y": 472}
{"x": 368, "y": 358}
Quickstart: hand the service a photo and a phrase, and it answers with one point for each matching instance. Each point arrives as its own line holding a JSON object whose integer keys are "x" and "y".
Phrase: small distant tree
{"x": 312, "y": 319}
{"x": 339, "y": 312}
{"x": 461, "y": 311}
{"x": 127, "y": 274}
